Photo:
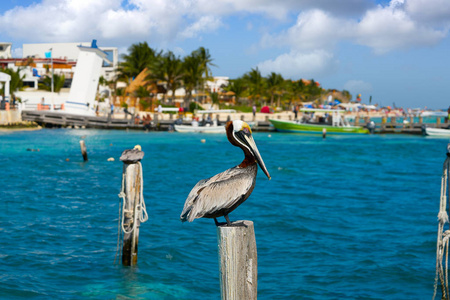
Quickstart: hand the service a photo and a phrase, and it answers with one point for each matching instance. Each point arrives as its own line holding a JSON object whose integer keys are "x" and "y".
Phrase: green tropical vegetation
{"x": 167, "y": 72}
{"x": 16, "y": 83}
{"x": 58, "y": 83}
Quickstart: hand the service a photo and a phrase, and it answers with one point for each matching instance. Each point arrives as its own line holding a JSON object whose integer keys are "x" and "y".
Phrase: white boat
{"x": 200, "y": 129}
{"x": 436, "y": 113}
{"x": 437, "y": 132}
{"x": 216, "y": 111}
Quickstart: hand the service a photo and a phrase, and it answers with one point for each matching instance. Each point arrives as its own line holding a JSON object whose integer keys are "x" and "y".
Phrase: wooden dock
{"x": 51, "y": 119}
{"x": 391, "y": 126}
{"x": 58, "y": 119}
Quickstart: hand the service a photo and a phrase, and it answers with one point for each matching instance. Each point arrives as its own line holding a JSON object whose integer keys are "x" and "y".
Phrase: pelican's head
{"x": 240, "y": 134}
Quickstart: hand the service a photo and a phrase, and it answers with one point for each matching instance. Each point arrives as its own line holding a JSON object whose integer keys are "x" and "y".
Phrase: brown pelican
{"x": 219, "y": 195}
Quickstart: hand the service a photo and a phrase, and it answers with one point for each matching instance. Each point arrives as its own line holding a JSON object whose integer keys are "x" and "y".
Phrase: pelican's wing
{"x": 218, "y": 192}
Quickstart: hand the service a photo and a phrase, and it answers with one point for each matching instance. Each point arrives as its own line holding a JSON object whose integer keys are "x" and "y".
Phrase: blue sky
{"x": 395, "y": 51}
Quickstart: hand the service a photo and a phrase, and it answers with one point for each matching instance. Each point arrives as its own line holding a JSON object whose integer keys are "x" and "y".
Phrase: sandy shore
{"x": 12, "y": 129}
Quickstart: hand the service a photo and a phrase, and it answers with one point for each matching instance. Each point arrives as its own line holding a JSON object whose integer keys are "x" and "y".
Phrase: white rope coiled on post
{"x": 141, "y": 211}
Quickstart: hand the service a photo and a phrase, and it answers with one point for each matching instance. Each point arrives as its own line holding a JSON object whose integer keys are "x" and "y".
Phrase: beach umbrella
{"x": 265, "y": 109}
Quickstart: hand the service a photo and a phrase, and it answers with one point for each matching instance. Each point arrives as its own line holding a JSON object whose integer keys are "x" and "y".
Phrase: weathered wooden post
{"x": 133, "y": 208}
{"x": 83, "y": 150}
{"x": 238, "y": 262}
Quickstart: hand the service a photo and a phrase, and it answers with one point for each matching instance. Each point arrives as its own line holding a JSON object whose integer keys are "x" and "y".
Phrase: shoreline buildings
{"x": 38, "y": 59}
{"x": 44, "y": 59}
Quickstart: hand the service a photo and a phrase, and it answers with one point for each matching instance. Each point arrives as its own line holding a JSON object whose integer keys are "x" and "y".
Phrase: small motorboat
{"x": 334, "y": 124}
{"x": 436, "y": 131}
{"x": 195, "y": 127}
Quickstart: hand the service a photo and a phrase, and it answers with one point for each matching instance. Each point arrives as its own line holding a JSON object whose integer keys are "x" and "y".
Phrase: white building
{"x": 69, "y": 52}
{"x": 5, "y": 50}
{"x": 216, "y": 84}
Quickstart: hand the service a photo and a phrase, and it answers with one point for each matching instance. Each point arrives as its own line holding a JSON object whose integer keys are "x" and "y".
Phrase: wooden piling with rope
{"x": 133, "y": 206}
{"x": 238, "y": 263}
{"x": 443, "y": 236}
{"x": 83, "y": 150}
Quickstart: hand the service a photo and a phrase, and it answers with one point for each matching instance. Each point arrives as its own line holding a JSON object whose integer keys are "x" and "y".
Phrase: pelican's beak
{"x": 251, "y": 143}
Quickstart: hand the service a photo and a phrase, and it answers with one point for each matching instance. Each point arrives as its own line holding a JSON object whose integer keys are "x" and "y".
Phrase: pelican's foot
{"x": 228, "y": 220}
{"x": 218, "y": 223}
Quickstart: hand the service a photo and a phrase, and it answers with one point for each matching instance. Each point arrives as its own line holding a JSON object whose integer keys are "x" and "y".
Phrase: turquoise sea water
{"x": 351, "y": 217}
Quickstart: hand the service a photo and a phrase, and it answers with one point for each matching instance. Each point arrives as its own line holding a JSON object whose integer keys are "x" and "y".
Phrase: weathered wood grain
{"x": 238, "y": 263}
{"x": 132, "y": 192}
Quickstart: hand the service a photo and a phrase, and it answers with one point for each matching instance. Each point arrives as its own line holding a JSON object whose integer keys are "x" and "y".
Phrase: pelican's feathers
{"x": 219, "y": 194}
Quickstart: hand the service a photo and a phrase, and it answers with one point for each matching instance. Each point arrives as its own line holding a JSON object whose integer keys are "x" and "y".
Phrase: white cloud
{"x": 204, "y": 24}
{"x": 319, "y": 26}
{"x": 436, "y": 12}
{"x": 358, "y": 87}
{"x": 282, "y": 8}
{"x": 314, "y": 29}
{"x": 388, "y": 28}
{"x": 301, "y": 64}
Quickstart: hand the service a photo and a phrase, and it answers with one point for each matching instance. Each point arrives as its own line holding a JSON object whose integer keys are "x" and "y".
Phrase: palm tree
{"x": 256, "y": 84}
{"x": 238, "y": 87}
{"x": 313, "y": 90}
{"x": 274, "y": 83}
{"x": 140, "y": 56}
{"x": 296, "y": 90}
{"x": 16, "y": 83}
{"x": 58, "y": 83}
{"x": 205, "y": 60}
{"x": 192, "y": 75}
{"x": 169, "y": 69}
{"x": 143, "y": 95}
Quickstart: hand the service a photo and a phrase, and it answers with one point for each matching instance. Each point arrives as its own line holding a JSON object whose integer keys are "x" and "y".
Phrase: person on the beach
{"x": 295, "y": 111}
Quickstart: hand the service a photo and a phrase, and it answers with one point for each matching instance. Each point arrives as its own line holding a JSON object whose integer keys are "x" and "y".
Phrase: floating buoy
{"x": 269, "y": 135}
{"x": 111, "y": 159}
{"x": 110, "y": 144}
{"x": 203, "y": 141}
{"x": 67, "y": 159}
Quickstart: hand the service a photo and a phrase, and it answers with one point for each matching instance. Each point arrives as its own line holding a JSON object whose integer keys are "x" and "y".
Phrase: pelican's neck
{"x": 248, "y": 161}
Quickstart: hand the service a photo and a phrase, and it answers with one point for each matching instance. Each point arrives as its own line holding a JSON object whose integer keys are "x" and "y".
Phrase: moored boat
{"x": 200, "y": 129}
{"x": 436, "y": 131}
{"x": 436, "y": 113}
{"x": 330, "y": 120}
